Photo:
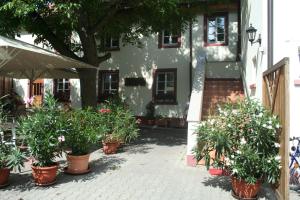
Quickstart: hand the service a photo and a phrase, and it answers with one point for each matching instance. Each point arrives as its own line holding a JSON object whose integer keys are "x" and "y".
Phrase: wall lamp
{"x": 251, "y": 31}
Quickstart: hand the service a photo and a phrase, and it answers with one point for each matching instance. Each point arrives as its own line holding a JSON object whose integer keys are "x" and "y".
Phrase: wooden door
{"x": 37, "y": 91}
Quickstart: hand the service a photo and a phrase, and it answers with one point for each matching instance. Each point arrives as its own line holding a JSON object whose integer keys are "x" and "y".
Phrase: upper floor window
{"x": 111, "y": 43}
{"x": 164, "y": 87}
{"x": 216, "y": 29}
{"x": 108, "y": 84}
{"x": 169, "y": 39}
{"x": 107, "y": 43}
{"x": 62, "y": 89}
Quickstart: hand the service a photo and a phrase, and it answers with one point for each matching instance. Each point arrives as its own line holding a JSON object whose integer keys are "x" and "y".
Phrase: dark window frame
{"x": 226, "y": 26}
{"x": 161, "y": 39}
{"x": 101, "y": 95}
{"x": 164, "y": 101}
{"x": 63, "y": 96}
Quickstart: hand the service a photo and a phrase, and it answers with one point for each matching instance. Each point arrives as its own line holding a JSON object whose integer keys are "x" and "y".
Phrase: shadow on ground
{"x": 24, "y": 181}
{"x": 224, "y": 183}
{"x": 156, "y": 136}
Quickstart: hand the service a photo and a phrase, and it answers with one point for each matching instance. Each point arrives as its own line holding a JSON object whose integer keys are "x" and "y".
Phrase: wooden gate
{"x": 6, "y": 85}
{"x": 276, "y": 98}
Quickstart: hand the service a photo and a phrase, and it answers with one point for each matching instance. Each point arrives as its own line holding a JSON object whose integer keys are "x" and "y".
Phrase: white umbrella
{"x": 22, "y": 60}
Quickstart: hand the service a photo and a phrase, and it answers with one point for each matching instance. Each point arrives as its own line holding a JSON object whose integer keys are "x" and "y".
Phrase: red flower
{"x": 103, "y": 110}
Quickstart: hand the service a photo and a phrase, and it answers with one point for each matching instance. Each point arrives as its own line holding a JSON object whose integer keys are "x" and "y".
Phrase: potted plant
{"x": 118, "y": 126}
{"x": 10, "y": 158}
{"x": 41, "y": 130}
{"x": 80, "y": 134}
{"x": 245, "y": 138}
{"x": 150, "y": 113}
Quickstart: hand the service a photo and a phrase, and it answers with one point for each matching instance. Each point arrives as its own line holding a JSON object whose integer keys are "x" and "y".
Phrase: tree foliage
{"x": 54, "y": 22}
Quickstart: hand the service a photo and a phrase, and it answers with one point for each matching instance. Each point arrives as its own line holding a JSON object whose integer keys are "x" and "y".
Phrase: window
{"x": 216, "y": 30}
{"x": 168, "y": 39}
{"x": 108, "y": 84}
{"x": 107, "y": 43}
{"x": 62, "y": 89}
{"x": 164, "y": 87}
{"x": 111, "y": 43}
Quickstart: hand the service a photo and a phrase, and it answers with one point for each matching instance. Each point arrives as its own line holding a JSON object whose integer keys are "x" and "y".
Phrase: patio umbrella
{"x": 22, "y": 60}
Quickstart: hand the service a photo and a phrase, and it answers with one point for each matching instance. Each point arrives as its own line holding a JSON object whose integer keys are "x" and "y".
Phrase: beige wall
{"x": 140, "y": 62}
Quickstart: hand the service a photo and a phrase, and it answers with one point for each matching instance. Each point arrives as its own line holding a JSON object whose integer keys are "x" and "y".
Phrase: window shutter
{"x": 160, "y": 40}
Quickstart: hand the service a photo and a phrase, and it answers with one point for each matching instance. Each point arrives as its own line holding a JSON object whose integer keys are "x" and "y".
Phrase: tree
{"x": 55, "y": 22}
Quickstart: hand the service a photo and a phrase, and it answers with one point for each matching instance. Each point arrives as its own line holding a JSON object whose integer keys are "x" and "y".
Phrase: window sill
{"x": 165, "y": 103}
{"x": 112, "y": 49}
{"x": 215, "y": 44}
{"x": 170, "y": 46}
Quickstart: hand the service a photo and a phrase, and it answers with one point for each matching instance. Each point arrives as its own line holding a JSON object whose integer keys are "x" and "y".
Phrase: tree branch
{"x": 48, "y": 34}
{"x": 104, "y": 58}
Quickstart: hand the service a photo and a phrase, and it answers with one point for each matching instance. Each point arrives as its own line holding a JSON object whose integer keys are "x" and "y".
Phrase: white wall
{"x": 286, "y": 44}
{"x": 132, "y": 61}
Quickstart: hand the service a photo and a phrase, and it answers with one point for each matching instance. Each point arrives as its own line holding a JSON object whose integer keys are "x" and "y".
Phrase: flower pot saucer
{"x": 4, "y": 185}
{"x": 45, "y": 184}
{"x": 240, "y": 198}
{"x": 76, "y": 173}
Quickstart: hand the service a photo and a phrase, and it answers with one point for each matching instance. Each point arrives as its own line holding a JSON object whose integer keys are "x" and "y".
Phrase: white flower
{"x": 229, "y": 125}
{"x": 243, "y": 141}
{"x": 279, "y": 166}
{"x": 277, "y": 158}
{"x": 264, "y": 125}
{"x": 269, "y": 127}
{"x": 234, "y": 171}
{"x": 225, "y": 113}
{"x": 232, "y": 156}
{"x": 61, "y": 138}
{"x": 277, "y": 145}
{"x": 270, "y": 122}
{"x": 260, "y": 114}
{"x": 277, "y": 126}
{"x": 238, "y": 152}
{"x": 269, "y": 161}
{"x": 226, "y": 159}
{"x": 234, "y": 112}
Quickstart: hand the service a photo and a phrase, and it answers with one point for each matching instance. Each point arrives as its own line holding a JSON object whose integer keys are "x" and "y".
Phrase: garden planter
{"x": 4, "y": 174}
{"x": 44, "y": 176}
{"x": 78, "y": 164}
{"x": 110, "y": 147}
{"x": 216, "y": 172}
{"x": 150, "y": 122}
{"x": 243, "y": 190}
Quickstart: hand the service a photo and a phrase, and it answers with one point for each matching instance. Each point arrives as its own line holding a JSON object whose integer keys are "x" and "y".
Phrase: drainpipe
{"x": 239, "y": 44}
{"x": 270, "y": 33}
{"x": 191, "y": 57}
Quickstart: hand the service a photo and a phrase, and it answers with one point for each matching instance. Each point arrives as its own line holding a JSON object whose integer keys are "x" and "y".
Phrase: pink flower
{"x": 103, "y": 110}
{"x": 29, "y": 101}
{"x": 61, "y": 138}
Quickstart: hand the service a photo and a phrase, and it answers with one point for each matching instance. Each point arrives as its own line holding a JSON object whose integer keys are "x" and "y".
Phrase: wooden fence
{"x": 276, "y": 98}
{"x": 6, "y": 85}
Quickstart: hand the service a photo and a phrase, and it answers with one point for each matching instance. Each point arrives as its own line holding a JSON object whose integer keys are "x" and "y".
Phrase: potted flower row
{"x": 118, "y": 125}
{"x": 244, "y": 137}
{"x": 48, "y": 131}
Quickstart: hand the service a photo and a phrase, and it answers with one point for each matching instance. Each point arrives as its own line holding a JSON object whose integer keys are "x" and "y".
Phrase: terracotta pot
{"x": 4, "y": 174}
{"x": 216, "y": 172}
{"x": 150, "y": 122}
{"x": 78, "y": 164}
{"x": 44, "y": 176}
{"x": 110, "y": 147}
{"x": 243, "y": 190}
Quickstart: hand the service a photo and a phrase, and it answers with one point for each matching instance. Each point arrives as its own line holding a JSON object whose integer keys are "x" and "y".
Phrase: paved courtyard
{"x": 153, "y": 168}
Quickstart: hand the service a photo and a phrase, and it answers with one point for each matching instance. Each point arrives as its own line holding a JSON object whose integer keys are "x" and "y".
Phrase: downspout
{"x": 270, "y": 33}
{"x": 239, "y": 44}
{"x": 191, "y": 57}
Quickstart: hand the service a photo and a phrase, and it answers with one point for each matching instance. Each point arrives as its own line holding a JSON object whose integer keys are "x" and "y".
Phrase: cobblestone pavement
{"x": 153, "y": 168}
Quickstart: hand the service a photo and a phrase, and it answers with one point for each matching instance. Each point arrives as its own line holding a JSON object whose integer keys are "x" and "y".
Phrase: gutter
{"x": 270, "y": 33}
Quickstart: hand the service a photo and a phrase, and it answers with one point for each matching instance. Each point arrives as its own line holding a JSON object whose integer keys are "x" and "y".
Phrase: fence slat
{"x": 276, "y": 98}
